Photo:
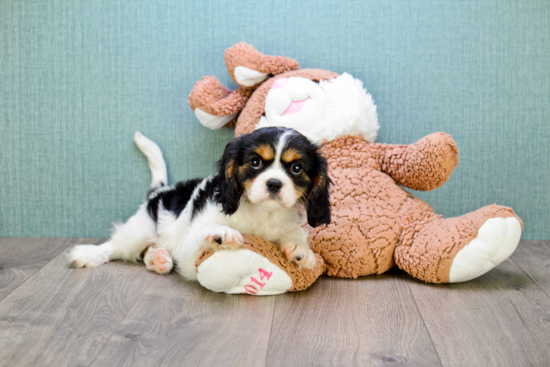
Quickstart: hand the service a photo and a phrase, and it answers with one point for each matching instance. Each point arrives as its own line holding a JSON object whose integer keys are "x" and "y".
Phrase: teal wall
{"x": 79, "y": 77}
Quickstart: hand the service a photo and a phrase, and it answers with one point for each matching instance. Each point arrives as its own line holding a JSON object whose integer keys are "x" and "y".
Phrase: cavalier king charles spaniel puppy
{"x": 268, "y": 183}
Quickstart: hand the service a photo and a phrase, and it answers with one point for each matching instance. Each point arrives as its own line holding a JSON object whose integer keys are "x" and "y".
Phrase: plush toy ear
{"x": 230, "y": 192}
{"x": 318, "y": 202}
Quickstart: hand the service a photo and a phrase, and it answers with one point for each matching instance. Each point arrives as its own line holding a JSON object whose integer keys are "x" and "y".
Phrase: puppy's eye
{"x": 296, "y": 168}
{"x": 256, "y": 162}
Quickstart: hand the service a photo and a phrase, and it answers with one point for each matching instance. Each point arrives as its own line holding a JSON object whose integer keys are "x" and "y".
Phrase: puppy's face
{"x": 277, "y": 168}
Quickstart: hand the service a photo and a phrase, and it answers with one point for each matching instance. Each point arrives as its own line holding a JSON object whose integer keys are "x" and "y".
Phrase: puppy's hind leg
{"x": 127, "y": 242}
{"x": 158, "y": 259}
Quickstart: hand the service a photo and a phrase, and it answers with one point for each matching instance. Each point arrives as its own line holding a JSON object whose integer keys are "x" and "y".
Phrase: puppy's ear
{"x": 229, "y": 192}
{"x": 318, "y": 203}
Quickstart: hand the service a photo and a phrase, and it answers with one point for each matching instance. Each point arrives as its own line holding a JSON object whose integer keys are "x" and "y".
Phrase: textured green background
{"x": 79, "y": 77}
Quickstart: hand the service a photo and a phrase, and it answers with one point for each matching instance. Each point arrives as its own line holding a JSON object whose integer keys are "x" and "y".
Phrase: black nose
{"x": 274, "y": 185}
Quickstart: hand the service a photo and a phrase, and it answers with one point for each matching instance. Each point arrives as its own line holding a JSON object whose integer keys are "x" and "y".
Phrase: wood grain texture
{"x": 533, "y": 257}
{"x": 180, "y": 323}
{"x": 499, "y": 319}
{"x": 122, "y": 315}
{"x": 22, "y": 257}
{"x": 371, "y": 321}
{"x": 63, "y": 317}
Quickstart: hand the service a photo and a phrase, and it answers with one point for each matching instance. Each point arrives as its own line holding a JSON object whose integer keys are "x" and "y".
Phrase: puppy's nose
{"x": 274, "y": 185}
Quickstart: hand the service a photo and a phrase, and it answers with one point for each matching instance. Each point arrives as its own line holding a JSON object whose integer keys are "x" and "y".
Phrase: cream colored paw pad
{"x": 496, "y": 240}
{"x": 242, "y": 271}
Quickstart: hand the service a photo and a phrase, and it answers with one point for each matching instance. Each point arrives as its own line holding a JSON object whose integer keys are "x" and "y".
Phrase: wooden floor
{"x": 122, "y": 315}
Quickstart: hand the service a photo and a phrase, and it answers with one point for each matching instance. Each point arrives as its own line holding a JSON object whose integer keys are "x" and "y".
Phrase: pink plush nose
{"x": 279, "y": 83}
{"x": 295, "y": 106}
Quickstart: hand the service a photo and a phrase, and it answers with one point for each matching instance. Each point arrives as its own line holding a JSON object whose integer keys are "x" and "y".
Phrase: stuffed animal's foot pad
{"x": 496, "y": 240}
{"x": 158, "y": 260}
{"x": 88, "y": 256}
{"x": 300, "y": 255}
{"x": 222, "y": 237}
{"x": 242, "y": 271}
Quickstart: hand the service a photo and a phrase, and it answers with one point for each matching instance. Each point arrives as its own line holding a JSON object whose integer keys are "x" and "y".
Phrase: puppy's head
{"x": 275, "y": 168}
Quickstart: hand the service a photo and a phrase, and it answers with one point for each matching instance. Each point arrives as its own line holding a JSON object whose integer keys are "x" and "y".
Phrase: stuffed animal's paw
{"x": 258, "y": 268}
{"x": 496, "y": 240}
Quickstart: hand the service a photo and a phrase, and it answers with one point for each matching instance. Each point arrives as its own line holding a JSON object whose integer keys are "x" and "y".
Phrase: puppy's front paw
{"x": 87, "y": 256}
{"x": 300, "y": 255}
{"x": 222, "y": 237}
{"x": 158, "y": 260}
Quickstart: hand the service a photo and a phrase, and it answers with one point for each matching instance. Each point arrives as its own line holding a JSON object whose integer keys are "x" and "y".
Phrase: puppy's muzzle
{"x": 273, "y": 185}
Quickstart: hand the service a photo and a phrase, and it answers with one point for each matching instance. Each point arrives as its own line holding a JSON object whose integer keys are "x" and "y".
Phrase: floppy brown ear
{"x": 229, "y": 192}
{"x": 318, "y": 203}
{"x": 248, "y": 67}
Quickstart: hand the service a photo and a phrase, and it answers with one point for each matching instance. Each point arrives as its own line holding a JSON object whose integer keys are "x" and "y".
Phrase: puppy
{"x": 268, "y": 183}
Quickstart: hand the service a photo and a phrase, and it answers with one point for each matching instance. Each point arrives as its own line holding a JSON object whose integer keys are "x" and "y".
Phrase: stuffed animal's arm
{"x": 424, "y": 165}
{"x": 215, "y": 105}
{"x": 249, "y": 67}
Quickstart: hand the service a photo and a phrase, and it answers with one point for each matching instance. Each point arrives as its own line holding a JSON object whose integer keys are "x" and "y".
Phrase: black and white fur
{"x": 176, "y": 223}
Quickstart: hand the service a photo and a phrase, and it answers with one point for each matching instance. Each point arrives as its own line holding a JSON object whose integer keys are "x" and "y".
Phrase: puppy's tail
{"x": 152, "y": 151}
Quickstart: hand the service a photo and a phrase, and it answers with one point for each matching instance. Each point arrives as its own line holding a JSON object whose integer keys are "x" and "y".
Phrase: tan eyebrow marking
{"x": 290, "y": 155}
{"x": 265, "y": 151}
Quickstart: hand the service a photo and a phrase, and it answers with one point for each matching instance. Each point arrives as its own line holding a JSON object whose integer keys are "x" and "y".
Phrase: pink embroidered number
{"x": 257, "y": 282}
{"x": 263, "y": 275}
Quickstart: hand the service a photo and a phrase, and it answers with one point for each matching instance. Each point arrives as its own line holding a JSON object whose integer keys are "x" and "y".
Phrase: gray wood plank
{"x": 499, "y": 319}
{"x": 180, "y": 323}
{"x": 370, "y": 321}
{"x": 63, "y": 317}
{"x": 533, "y": 257}
{"x": 22, "y": 257}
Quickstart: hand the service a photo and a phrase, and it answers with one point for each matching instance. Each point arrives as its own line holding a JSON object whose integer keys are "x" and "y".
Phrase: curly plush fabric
{"x": 429, "y": 243}
{"x": 301, "y": 279}
{"x": 425, "y": 167}
{"x": 243, "y": 54}
{"x": 212, "y": 97}
{"x": 376, "y": 224}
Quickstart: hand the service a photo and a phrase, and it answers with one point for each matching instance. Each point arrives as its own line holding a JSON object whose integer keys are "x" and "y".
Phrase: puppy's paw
{"x": 158, "y": 260}
{"x": 223, "y": 237}
{"x": 87, "y": 256}
{"x": 300, "y": 255}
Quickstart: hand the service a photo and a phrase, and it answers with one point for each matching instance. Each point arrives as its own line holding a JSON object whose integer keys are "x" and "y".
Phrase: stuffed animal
{"x": 376, "y": 224}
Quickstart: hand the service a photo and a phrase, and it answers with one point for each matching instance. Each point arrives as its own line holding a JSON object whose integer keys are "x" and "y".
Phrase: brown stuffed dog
{"x": 375, "y": 223}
